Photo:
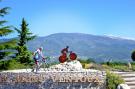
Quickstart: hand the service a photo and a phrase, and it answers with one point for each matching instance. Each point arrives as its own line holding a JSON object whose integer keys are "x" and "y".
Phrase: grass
{"x": 118, "y": 66}
{"x": 121, "y": 66}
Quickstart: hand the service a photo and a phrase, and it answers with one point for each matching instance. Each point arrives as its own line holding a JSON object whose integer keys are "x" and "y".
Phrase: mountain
{"x": 100, "y": 48}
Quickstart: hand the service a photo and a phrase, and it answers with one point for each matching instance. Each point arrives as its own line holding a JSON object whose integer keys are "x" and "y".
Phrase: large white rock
{"x": 67, "y": 66}
{"x": 75, "y": 64}
{"x": 123, "y": 86}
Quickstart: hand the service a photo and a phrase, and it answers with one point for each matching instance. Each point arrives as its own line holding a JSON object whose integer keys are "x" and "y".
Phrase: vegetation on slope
{"x": 113, "y": 80}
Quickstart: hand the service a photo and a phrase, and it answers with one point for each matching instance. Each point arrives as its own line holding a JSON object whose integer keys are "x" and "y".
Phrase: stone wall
{"x": 53, "y": 80}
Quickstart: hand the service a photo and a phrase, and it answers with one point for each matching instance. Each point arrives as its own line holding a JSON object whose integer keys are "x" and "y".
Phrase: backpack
{"x": 36, "y": 56}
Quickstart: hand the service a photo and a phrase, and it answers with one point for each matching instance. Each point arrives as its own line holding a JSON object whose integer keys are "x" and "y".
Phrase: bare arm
{"x": 34, "y": 52}
{"x": 41, "y": 53}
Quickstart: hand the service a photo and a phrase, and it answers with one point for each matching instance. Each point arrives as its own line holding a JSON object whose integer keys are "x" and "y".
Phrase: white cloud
{"x": 119, "y": 37}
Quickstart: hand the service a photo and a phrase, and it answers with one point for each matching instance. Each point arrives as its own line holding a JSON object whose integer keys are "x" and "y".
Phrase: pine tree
{"x": 4, "y": 31}
{"x": 25, "y": 35}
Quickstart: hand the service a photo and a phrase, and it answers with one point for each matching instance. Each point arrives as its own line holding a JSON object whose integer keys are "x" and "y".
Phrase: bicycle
{"x": 32, "y": 67}
{"x": 70, "y": 56}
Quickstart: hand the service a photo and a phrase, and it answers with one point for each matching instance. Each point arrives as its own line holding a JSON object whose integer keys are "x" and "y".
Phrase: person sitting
{"x": 65, "y": 50}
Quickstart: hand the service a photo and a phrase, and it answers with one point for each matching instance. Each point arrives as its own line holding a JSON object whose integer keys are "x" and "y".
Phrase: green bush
{"x": 11, "y": 64}
{"x": 132, "y": 63}
{"x": 113, "y": 80}
{"x": 83, "y": 62}
{"x": 87, "y": 61}
{"x": 3, "y": 65}
{"x": 133, "y": 66}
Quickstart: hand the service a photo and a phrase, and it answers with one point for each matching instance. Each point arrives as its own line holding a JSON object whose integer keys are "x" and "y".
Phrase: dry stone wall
{"x": 69, "y": 75}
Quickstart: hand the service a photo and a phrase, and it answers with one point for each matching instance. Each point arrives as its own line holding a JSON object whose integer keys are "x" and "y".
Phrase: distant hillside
{"x": 101, "y": 48}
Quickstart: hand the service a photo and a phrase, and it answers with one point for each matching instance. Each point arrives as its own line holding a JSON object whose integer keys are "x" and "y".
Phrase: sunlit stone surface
{"x": 69, "y": 75}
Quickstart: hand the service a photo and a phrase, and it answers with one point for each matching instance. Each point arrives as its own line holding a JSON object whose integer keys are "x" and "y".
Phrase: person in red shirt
{"x": 65, "y": 50}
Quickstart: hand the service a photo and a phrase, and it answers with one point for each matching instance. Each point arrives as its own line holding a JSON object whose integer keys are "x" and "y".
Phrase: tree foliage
{"x": 4, "y": 11}
{"x": 5, "y": 47}
{"x": 25, "y": 35}
{"x": 133, "y": 55}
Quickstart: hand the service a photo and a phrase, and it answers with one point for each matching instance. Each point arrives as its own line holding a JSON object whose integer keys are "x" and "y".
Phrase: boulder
{"x": 123, "y": 86}
{"x": 67, "y": 66}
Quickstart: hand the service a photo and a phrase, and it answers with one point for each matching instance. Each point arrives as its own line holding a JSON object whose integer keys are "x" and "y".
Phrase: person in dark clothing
{"x": 65, "y": 50}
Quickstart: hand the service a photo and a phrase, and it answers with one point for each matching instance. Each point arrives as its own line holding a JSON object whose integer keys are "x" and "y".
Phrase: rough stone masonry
{"x": 54, "y": 79}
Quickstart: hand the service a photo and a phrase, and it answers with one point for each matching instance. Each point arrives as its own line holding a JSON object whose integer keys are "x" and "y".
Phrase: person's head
{"x": 67, "y": 46}
{"x": 41, "y": 48}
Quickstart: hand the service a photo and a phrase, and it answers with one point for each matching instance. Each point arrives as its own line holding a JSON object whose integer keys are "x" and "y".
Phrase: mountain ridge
{"x": 101, "y": 48}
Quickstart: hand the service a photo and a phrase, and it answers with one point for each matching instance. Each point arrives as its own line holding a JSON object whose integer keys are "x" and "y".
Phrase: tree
{"x": 133, "y": 55}
{"x": 5, "y": 46}
{"x": 25, "y": 35}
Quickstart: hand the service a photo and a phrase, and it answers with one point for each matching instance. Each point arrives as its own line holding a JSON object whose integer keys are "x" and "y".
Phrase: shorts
{"x": 36, "y": 61}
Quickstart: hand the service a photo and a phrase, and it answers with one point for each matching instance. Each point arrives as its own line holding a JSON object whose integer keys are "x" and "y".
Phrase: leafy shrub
{"x": 87, "y": 61}
{"x": 84, "y": 63}
{"x": 3, "y": 65}
{"x": 11, "y": 64}
{"x": 133, "y": 66}
{"x": 132, "y": 63}
{"x": 90, "y": 60}
{"x": 113, "y": 80}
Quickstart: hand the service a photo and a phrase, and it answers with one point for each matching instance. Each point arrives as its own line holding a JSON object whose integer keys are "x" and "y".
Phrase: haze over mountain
{"x": 101, "y": 48}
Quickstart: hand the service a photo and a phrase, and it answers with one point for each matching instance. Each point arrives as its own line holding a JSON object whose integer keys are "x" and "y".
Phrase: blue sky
{"x": 99, "y": 17}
